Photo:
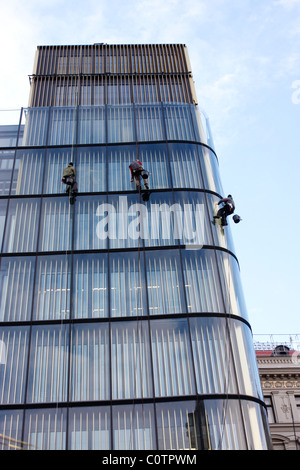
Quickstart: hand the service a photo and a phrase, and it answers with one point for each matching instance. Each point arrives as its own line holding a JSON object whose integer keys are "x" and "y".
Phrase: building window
{"x": 90, "y": 363}
{"x": 89, "y": 428}
{"x": 21, "y": 226}
{"x": 16, "y": 288}
{"x": 270, "y": 409}
{"x": 172, "y": 360}
{"x": 45, "y": 429}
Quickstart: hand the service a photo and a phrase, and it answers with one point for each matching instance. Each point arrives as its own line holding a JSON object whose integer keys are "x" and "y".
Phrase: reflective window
{"x": 6, "y": 167}
{"x": 120, "y": 125}
{"x": 124, "y": 221}
{"x": 21, "y": 226}
{"x": 89, "y": 428}
{"x": 11, "y": 430}
{"x": 127, "y": 285}
{"x": 52, "y": 288}
{"x": 16, "y": 288}
{"x": 185, "y": 166}
{"x": 245, "y": 361}
{"x": 90, "y": 362}
{"x": 56, "y": 160}
{"x": 154, "y": 159}
{"x": 256, "y": 426}
{"x": 149, "y": 122}
{"x": 130, "y": 360}
{"x": 193, "y": 221}
{"x": 119, "y": 159}
{"x": 28, "y": 172}
{"x": 210, "y": 170}
{"x": 90, "y": 296}
{"x": 179, "y": 122}
{"x": 45, "y": 429}
{"x": 90, "y": 228}
{"x": 91, "y": 125}
{"x": 161, "y": 225}
{"x": 212, "y": 352}
{"x": 91, "y": 169}
{"x": 62, "y": 126}
{"x": 180, "y": 425}
{"x": 231, "y": 285}
{"x": 133, "y": 427}
{"x": 172, "y": 359}
{"x": 48, "y": 364}
{"x": 56, "y": 225}
{"x": 201, "y": 281}
{"x": 225, "y": 425}
{"x": 164, "y": 282}
{"x": 35, "y": 121}
{"x": 13, "y": 363}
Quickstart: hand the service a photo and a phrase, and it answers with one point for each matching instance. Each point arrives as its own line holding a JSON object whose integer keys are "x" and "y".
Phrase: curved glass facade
{"x": 118, "y": 330}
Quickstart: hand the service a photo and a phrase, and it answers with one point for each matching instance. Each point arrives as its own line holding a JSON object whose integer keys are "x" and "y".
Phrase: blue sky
{"x": 245, "y": 56}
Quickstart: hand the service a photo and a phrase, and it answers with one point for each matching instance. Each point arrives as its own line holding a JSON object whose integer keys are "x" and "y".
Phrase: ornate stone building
{"x": 279, "y": 370}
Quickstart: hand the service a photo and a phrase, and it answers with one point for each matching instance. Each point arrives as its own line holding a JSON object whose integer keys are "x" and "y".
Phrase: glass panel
{"x": 36, "y": 126}
{"x": 45, "y": 429}
{"x": 16, "y": 288}
{"x": 28, "y": 172}
{"x": 62, "y": 127}
{"x": 256, "y": 425}
{"x": 212, "y": 352}
{"x": 149, "y": 122}
{"x": 48, "y": 371}
{"x": 172, "y": 359}
{"x": 193, "y": 223}
{"x": 154, "y": 159}
{"x": 202, "y": 126}
{"x": 21, "y": 226}
{"x": 120, "y": 126}
{"x": 162, "y": 226}
{"x": 56, "y": 161}
{"x": 6, "y": 166}
{"x": 179, "y": 123}
{"x": 90, "y": 362}
{"x": 89, "y": 229}
{"x": 133, "y": 427}
{"x": 89, "y": 428}
{"x": 225, "y": 425}
{"x": 91, "y": 169}
{"x": 130, "y": 357}
{"x": 11, "y": 430}
{"x": 245, "y": 360}
{"x": 91, "y": 125}
{"x": 127, "y": 285}
{"x": 126, "y": 221}
{"x": 180, "y": 427}
{"x": 210, "y": 170}
{"x": 52, "y": 288}
{"x": 164, "y": 281}
{"x": 90, "y": 286}
{"x": 201, "y": 281}
{"x": 185, "y": 166}
{"x": 13, "y": 363}
{"x": 56, "y": 225}
{"x": 231, "y": 285}
{"x": 3, "y": 207}
{"x": 119, "y": 159}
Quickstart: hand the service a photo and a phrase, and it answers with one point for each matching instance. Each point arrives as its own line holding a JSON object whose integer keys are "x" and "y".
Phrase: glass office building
{"x": 121, "y": 327}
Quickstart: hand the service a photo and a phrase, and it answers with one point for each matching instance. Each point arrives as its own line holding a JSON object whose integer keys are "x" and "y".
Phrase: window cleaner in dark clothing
{"x": 69, "y": 178}
{"x": 227, "y": 209}
{"x": 137, "y": 170}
